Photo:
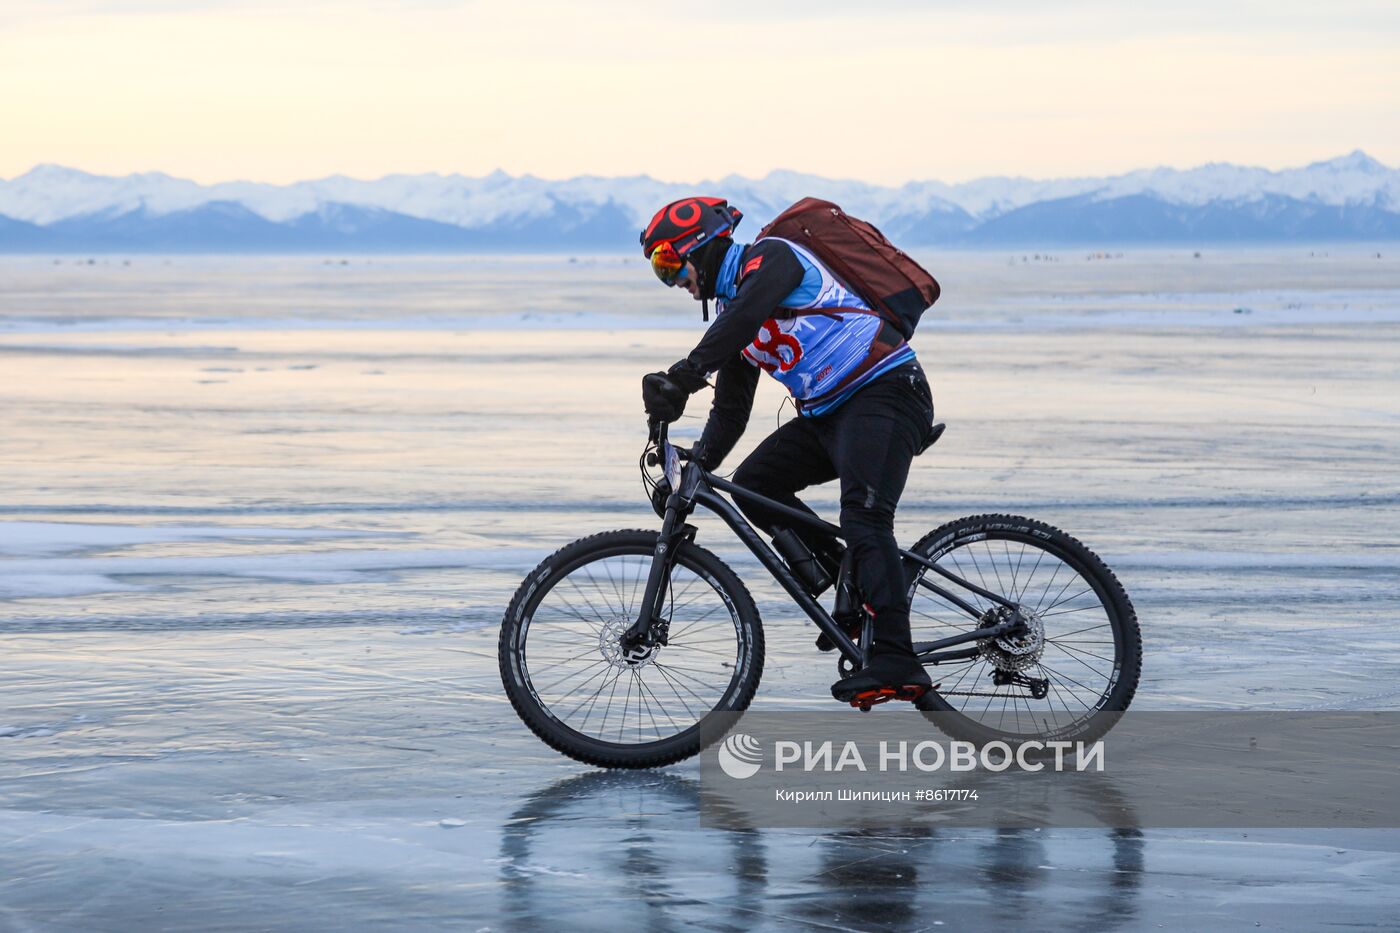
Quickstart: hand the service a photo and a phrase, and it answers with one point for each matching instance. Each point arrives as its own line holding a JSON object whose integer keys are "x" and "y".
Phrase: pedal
{"x": 868, "y": 698}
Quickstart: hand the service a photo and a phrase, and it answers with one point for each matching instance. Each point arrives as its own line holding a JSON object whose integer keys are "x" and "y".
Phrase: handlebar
{"x": 666, "y": 455}
{"x": 657, "y": 433}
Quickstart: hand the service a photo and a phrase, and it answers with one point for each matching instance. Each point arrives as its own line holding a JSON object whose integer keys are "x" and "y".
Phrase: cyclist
{"x": 864, "y": 406}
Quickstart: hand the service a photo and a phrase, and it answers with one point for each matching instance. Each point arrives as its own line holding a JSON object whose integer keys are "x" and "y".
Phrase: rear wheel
{"x": 1071, "y": 668}
{"x": 571, "y": 681}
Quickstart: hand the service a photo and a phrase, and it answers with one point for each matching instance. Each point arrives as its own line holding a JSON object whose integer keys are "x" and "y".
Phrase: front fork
{"x": 650, "y": 628}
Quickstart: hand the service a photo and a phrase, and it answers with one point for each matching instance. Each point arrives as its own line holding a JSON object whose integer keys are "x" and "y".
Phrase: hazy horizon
{"x": 218, "y": 89}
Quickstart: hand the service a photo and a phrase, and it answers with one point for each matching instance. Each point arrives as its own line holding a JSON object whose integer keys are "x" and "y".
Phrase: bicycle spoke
{"x": 593, "y": 705}
{"x": 544, "y": 690}
{"x": 1079, "y": 651}
{"x": 667, "y": 671}
{"x": 691, "y": 647}
{"x": 684, "y": 673}
{"x": 621, "y": 599}
{"x": 555, "y": 663}
{"x": 602, "y": 593}
{"x": 611, "y": 693}
{"x": 693, "y": 622}
{"x": 642, "y": 700}
{"x": 592, "y": 608}
{"x": 631, "y": 682}
{"x": 672, "y": 684}
{"x": 1046, "y": 615}
{"x": 963, "y": 626}
{"x": 1057, "y": 694}
{"x": 972, "y": 556}
{"x": 1045, "y": 591}
{"x": 577, "y": 613}
{"x": 1001, "y": 587}
{"x": 981, "y": 664}
{"x": 1016, "y": 571}
{"x": 1025, "y": 587}
{"x": 1060, "y": 602}
{"x": 603, "y": 673}
{"x": 975, "y": 598}
{"x": 1078, "y": 631}
{"x": 1061, "y": 674}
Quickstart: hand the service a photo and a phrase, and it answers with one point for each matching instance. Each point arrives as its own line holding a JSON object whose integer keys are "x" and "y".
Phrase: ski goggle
{"x": 667, "y": 263}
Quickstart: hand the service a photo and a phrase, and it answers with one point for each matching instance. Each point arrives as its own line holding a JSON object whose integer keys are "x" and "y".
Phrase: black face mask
{"x": 707, "y": 260}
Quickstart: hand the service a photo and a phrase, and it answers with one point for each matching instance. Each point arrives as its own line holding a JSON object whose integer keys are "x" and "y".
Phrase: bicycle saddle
{"x": 935, "y": 431}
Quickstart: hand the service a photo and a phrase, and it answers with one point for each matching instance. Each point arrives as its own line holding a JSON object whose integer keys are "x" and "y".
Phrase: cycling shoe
{"x": 887, "y": 677}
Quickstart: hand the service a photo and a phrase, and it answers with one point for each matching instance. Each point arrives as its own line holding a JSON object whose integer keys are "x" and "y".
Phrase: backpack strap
{"x": 787, "y": 314}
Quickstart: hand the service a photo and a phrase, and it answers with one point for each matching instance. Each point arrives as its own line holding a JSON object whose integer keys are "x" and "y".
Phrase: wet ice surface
{"x": 250, "y": 576}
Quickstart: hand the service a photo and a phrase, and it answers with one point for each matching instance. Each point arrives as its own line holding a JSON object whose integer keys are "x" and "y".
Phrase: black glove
{"x": 685, "y": 375}
{"x": 662, "y": 398}
{"x": 664, "y": 394}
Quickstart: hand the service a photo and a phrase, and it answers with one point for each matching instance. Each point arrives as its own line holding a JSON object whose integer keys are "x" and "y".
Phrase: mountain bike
{"x": 617, "y": 647}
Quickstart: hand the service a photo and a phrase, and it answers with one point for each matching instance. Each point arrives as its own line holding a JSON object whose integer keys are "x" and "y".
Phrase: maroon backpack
{"x": 870, "y": 265}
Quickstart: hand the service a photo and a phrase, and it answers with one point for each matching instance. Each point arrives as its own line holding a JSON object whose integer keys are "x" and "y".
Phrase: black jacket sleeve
{"x": 734, "y": 391}
{"x": 769, "y": 271}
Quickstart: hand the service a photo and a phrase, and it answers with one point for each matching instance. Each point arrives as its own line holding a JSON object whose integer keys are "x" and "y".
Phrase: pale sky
{"x": 880, "y": 90}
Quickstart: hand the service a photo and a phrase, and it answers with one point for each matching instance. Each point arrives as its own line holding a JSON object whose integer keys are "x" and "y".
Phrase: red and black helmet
{"x": 689, "y": 223}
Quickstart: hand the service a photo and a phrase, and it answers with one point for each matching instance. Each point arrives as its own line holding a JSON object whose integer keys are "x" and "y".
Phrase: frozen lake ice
{"x": 263, "y": 514}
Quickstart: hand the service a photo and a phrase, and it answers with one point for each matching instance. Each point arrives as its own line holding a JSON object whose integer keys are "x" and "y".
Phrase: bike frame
{"x": 698, "y": 487}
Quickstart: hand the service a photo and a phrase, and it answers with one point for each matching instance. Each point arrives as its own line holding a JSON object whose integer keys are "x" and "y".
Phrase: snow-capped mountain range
{"x": 52, "y": 208}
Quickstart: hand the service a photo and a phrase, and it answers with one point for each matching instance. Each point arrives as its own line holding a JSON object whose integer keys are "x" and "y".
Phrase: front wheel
{"x": 577, "y": 688}
{"x": 1072, "y": 667}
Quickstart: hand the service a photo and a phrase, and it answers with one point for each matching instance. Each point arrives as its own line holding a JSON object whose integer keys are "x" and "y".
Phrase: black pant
{"x": 868, "y": 443}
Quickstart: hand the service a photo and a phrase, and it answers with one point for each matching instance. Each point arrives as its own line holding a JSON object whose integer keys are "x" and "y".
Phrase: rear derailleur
{"x": 1039, "y": 687}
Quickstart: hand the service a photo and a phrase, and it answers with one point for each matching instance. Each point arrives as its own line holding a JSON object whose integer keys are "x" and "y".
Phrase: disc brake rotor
{"x": 610, "y": 645}
{"x": 1015, "y": 651}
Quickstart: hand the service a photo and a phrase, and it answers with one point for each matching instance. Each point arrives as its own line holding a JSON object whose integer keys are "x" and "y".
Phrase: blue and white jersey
{"x": 822, "y": 343}
{"x": 819, "y": 288}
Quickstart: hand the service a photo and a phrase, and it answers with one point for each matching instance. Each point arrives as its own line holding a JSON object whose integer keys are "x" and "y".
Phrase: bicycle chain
{"x": 979, "y": 693}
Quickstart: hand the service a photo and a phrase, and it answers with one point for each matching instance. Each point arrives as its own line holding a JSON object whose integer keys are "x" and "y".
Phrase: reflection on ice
{"x": 620, "y": 851}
